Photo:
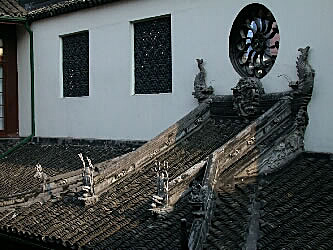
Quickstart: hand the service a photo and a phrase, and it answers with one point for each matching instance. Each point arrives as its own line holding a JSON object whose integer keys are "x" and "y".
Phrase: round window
{"x": 254, "y": 41}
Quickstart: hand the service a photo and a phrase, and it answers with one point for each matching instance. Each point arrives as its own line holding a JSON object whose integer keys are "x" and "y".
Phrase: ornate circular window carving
{"x": 254, "y": 41}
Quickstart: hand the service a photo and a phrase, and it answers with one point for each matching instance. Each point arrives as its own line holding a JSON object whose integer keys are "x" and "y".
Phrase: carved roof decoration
{"x": 10, "y": 8}
{"x": 201, "y": 91}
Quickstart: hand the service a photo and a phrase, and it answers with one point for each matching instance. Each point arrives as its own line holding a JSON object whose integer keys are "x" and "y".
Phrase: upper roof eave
{"x": 64, "y": 7}
{"x": 9, "y": 19}
{"x": 11, "y": 11}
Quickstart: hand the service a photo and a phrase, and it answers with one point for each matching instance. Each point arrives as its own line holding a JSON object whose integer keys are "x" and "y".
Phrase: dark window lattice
{"x": 254, "y": 41}
{"x": 152, "y": 55}
{"x": 76, "y": 65}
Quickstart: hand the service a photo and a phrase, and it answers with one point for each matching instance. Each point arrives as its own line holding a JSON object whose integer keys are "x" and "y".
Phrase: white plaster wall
{"x": 200, "y": 29}
{"x": 24, "y": 86}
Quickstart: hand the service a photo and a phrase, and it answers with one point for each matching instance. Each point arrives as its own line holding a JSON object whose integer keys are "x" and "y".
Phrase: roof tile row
{"x": 10, "y": 8}
{"x": 295, "y": 213}
{"x": 17, "y": 170}
{"x": 121, "y": 218}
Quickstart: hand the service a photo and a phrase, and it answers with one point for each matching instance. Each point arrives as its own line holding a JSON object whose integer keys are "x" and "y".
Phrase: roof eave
{"x": 64, "y": 8}
{"x": 9, "y": 19}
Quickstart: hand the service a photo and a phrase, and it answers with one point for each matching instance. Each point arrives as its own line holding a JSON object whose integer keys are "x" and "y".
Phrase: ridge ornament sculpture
{"x": 299, "y": 98}
{"x": 160, "y": 203}
{"x": 201, "y": 91}
{"x": 302, "y": 88}
{"x": 40, "y": 175}
{"x": 305, "y": 73}
{"x": 196, "y": 198}
{"x": 162, "y": 199}
{"x": 88, "y": 193}
{"x": 246, "y": 96}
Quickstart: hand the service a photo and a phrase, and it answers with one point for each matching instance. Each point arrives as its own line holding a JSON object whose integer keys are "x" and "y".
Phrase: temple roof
{"x": 294, "y": 207}
{"x": 63, "y": 7}
{"x": 17, "y": 170}
{"x": 121, "y": 218}
{"x": 231, "y": 183}
{"x": 10, "y": 8}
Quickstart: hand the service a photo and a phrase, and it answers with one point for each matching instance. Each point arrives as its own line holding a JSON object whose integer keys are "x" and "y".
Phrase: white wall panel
{"x": 200, "y": 29}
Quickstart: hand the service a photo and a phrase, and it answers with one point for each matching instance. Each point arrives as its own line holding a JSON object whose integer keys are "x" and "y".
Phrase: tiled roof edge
{"x": 64, "y": 7}
{"x": 34, "y": 239}
{"x": 11, "y": 9}
{"x": 85, "y": 141}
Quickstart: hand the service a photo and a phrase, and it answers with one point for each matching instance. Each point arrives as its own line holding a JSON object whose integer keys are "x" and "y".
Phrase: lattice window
{"x": 2, "y": 81}
{"x": 152, "y": 56}
{"x": 254, "y": 41}
{"x": 76, "y": 64}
